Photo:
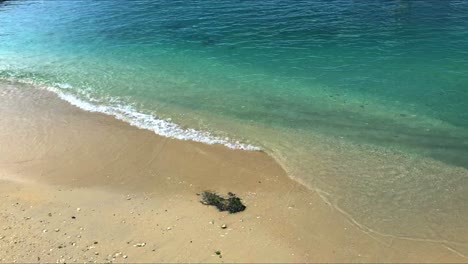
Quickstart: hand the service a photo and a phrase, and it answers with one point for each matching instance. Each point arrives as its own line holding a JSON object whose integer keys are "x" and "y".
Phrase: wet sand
{"x": 83, "y": 187}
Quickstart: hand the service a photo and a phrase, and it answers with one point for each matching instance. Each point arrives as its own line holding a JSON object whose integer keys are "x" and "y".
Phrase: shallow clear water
{"x": 365, "y": 101}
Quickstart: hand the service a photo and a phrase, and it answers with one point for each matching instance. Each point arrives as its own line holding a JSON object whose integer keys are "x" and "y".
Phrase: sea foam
{"x": 130, "y": 115}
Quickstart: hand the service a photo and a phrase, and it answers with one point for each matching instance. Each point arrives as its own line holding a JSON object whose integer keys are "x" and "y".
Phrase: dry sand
{"x": 83, "y": 187}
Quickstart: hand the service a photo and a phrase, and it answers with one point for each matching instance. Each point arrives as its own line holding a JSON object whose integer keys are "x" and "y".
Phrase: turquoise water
{"x": 364, "y": 101}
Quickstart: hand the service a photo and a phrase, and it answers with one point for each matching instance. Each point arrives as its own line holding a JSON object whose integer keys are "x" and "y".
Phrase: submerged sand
{"x": 83, "y": 187}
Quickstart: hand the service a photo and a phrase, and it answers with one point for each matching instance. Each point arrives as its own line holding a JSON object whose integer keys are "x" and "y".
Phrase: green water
{"x": 363, "y": 101}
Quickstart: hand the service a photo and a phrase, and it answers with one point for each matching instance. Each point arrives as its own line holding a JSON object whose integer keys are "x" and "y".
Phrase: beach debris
{"x": 140, "y": 245}
{"x": 224, "y": 226}
{"x": 232, "y": 204}
{"x": 169, "y": 228}
{"x": 44, "y": 231}
{"x": 125, "y": 256}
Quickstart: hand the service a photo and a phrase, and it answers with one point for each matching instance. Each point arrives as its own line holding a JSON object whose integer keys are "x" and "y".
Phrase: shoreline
{"x": 126, "y": 113}
{"x": 73, "y": 159}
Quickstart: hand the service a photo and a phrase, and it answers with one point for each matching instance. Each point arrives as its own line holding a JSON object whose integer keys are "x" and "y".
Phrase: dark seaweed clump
{"x": 232, "y": 204}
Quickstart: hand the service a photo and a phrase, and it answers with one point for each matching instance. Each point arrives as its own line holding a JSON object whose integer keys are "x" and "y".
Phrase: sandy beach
{"x": 81, "y": 187}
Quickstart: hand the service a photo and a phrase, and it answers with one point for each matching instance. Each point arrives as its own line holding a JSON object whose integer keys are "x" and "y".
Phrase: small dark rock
{"x": 232, "y": 204}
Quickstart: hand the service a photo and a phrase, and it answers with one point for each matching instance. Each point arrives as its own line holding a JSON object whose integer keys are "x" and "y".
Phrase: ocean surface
{"x": 364, "y": 101}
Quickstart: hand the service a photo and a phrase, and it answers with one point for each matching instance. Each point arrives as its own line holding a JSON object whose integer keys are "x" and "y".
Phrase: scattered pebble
{"x": 125, "y": 256}
{"x": 140, "y": 245}
{"x": 224, "y": 226}
{"x": 169, "y": 228}
{"x": 57, "y": 230}
{"x": 78, "y": 209}
{"x": 44, "y": 231}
